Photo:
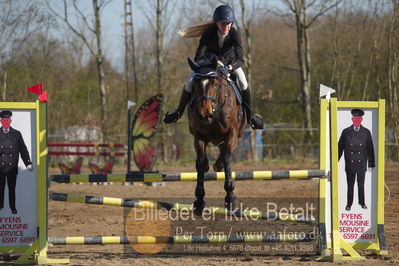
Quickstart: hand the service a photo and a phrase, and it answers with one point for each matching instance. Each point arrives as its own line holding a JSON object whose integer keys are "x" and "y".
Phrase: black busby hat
{"x": 357, "y": 112}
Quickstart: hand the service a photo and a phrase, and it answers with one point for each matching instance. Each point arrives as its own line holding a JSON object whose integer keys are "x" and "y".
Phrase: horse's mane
{"x": 195, "y": 30}
{"x": 201, "y": 68}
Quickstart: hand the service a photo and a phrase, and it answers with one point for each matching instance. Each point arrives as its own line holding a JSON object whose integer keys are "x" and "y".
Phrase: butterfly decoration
{"x": 107, "y": 169}
{"x": 145, "y": 124}
{"x": 75, "y": 169}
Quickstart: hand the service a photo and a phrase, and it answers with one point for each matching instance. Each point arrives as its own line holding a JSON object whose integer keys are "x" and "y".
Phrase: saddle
{"x": 208, "y": 69}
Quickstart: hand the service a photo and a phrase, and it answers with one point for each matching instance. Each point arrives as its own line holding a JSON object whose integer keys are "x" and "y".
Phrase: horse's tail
{"x": 195, "y": 31}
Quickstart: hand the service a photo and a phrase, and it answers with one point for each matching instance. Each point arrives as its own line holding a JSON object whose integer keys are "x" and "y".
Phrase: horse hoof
{"x": 218, "y": 167}
{"x": 198, "y": 207}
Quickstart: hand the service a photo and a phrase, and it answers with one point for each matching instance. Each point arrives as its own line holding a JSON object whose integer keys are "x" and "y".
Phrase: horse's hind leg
{"x": 202, "y": 166}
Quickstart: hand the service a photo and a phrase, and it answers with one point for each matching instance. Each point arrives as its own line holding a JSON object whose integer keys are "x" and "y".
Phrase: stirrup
{"x": 256, "y": 122}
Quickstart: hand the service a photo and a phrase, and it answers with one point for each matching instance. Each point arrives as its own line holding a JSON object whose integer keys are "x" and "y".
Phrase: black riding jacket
{"x": 11, "y": 146}
{"x": 231, "y": 52}
{"x": 358, "y": 149}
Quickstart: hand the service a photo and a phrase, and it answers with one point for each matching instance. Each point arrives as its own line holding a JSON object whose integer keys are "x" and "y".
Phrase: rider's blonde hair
{"x": 195, "y": 31}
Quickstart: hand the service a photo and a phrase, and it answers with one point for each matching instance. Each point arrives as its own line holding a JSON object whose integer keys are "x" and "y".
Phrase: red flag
{"x": 43, "y": 97}
{"x": 37, "y": 89}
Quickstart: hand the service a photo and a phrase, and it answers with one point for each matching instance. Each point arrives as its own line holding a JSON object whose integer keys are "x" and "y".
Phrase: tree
{"x": 299, "y": 12}
{"x": 162, "y": 22}
{"x": 393, "y": 71}
{"x": 96, "y": 50}
{"x": 246, "y": 25}
{"x": 246, "y": 21}
{"x": 130, "y": 51}
{"x": 355, "y": 61}
{"x": 18, "y": 22}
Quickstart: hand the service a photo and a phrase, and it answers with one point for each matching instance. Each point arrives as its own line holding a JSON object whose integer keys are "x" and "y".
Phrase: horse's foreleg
{"x": 218, "y": 165}
{"x": 230, "y": 199}
{"x": 202, "y": 166}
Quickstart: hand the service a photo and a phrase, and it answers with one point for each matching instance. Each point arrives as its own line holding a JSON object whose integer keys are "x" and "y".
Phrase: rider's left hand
{"x": 223, "y": 70}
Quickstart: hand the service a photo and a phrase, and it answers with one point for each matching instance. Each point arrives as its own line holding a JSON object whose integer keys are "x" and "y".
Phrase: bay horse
{"x": 215, "y": 116}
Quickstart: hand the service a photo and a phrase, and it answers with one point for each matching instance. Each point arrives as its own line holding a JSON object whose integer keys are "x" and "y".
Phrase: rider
{"x": 222, "y": 40}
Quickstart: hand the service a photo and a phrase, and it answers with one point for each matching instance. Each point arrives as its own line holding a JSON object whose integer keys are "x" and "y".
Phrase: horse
{"x": 215, "y": 116}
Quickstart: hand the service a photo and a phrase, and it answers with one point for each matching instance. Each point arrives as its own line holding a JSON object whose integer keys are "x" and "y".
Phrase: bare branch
{"x": 310, "y": 4}
{"x": 322, "y": 12}
{"x": 165, "y": 5}
{"x": 290, "y": 5}
{"x": 18, "y": 22}
{"x": 83, "y": 17}
{"x": 104, "y": 3}
{"x": 72, "y": 28}
{"x": 254, "y": 11}
{"x": 147, "y": 16}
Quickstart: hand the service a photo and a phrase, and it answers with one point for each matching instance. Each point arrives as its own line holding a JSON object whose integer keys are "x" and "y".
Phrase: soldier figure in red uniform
{"x": 357, "y": 144}
{"x": 11, "y": 146}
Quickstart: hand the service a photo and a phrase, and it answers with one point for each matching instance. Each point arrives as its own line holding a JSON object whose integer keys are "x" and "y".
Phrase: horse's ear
{"x": 194, "y": 66}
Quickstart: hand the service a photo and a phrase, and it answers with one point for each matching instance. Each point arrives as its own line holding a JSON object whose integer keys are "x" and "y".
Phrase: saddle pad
{"x": 236, "y": 90}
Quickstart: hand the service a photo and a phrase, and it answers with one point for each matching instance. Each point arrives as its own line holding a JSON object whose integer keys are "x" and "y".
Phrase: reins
{"x": 216, "y": 99}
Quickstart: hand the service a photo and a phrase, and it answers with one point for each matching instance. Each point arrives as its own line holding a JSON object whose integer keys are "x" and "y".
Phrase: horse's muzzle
{"x": 206, "y": 109}
{"x": 206, "y": 119}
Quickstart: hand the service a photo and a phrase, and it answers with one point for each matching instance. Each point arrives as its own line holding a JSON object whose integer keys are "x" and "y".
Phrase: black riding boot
{"x": 173, "y": 117}
{"x": 254, "y": 120}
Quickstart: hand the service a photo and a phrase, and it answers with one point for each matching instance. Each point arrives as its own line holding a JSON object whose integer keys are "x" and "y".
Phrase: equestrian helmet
{"x": 224, "y": 13}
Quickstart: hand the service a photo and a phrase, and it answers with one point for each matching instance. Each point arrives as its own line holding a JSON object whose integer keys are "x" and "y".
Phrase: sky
{"x": 113, "y": 30}
{"x": 112, "y": 21}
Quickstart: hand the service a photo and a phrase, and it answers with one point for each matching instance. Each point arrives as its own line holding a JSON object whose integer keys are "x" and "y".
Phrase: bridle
{"x": 216, "y": 106}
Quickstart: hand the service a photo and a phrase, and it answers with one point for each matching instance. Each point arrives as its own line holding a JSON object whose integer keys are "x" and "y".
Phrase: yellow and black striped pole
{"x": 256, "y": 238}
{"x": 175, "y": 177}
{"x": 253, "y": 214}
